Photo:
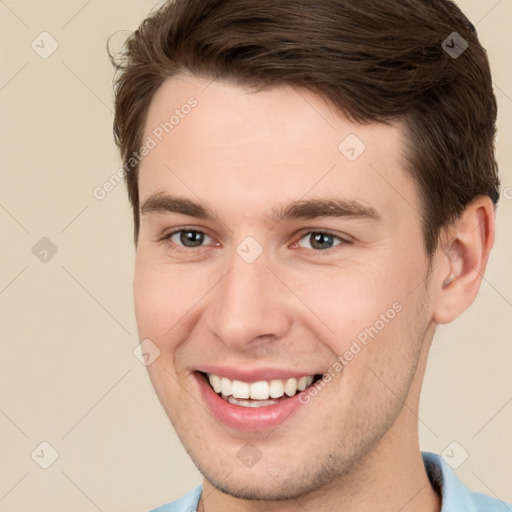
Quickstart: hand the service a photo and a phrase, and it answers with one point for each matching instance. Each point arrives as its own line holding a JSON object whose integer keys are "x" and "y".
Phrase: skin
{"x": 355, "y": 445}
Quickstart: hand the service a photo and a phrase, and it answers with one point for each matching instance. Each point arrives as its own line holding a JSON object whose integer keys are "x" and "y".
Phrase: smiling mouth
{"x": 258, "y": 394}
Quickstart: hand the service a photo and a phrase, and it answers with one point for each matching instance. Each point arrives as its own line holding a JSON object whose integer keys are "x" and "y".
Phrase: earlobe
{"x": 461, "y": 260}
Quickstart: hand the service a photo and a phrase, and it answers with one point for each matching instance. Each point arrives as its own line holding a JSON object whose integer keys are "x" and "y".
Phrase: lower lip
{"x": 254, "y": 419}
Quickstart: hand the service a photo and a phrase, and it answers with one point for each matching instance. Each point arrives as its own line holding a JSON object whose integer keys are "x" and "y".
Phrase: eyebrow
{"x": 160, "y": 203}
{"x": 316, "y": 208}
{"x": 302, "y": 209}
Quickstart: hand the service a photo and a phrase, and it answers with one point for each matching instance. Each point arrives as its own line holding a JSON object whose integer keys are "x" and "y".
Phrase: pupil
{"x": 321, "y": 240}
{"x": 191, "y": 238}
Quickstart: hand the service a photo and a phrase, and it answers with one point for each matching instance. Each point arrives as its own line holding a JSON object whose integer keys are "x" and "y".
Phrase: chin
{"x": 269, "y": 482}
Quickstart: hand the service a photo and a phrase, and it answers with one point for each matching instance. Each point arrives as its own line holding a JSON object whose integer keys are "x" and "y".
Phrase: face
{"x": 274, "y": 249}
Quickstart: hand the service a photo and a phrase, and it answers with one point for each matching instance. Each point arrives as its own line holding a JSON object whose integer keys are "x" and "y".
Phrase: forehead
{"x": 216, "y": 139}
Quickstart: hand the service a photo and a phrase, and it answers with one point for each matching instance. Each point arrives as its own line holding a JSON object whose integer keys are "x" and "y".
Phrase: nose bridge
{"x": 247, "y": 304}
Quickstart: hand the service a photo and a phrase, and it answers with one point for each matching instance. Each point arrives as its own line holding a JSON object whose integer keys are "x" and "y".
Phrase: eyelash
{"x": 181, "y": 248}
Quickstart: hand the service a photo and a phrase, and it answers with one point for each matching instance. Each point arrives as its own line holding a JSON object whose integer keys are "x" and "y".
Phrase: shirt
{"x": 456, "y": 497}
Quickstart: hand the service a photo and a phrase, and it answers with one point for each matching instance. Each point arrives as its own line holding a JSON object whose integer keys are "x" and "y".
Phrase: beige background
{"x": 68, "y": 375}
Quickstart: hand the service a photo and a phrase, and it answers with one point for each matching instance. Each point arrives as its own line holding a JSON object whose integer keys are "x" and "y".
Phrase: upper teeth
{"x": 261, "y": 390}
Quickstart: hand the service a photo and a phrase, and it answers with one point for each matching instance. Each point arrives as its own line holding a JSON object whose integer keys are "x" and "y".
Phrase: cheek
{"x": 170, "y": 303}
{"x": 151, "y": 297}
{"x": 367, "y": 318}
{"x": 347, "y": 300}
{"x": 164, "y": 298}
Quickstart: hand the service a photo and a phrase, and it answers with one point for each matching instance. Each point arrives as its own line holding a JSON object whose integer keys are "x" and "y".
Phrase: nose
{"x": 250, "y": 306}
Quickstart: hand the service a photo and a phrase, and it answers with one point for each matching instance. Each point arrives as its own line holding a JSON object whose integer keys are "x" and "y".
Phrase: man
{"x": 313, "y": 187}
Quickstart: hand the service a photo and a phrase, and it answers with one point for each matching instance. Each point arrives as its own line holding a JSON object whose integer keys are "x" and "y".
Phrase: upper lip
{"x": 254, "y": 374}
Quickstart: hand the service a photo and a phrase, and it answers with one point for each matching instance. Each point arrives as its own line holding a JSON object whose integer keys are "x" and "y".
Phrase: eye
{"x": 189, "y": 238}
{"x": 319, "y": 240}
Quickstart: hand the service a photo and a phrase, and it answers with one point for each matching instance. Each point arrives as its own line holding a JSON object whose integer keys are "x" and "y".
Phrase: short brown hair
{"x": 373, "y": 61}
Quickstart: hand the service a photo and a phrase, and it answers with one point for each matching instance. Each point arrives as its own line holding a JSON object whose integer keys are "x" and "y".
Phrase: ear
{"x": 461, "y": 259}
